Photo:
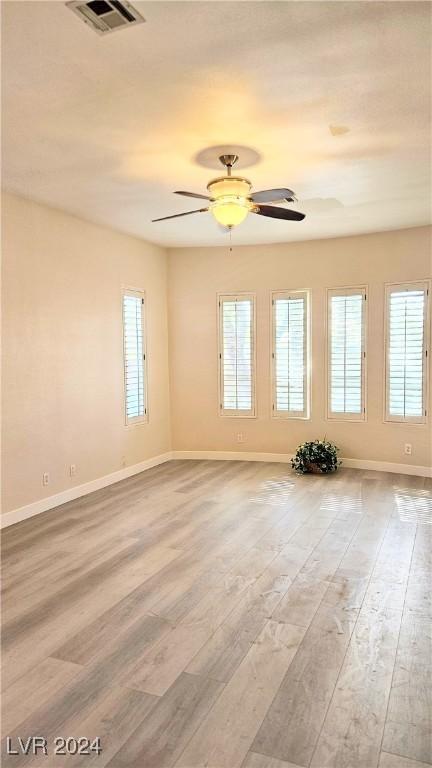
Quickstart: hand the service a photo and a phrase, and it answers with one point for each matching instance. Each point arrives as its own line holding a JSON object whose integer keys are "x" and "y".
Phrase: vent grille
{"x": 105, "y": 16}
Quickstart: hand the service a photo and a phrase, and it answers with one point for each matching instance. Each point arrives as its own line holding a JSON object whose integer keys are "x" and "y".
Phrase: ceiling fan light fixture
{"x": 230, "y": 211}
{"x": 230, "y": 199}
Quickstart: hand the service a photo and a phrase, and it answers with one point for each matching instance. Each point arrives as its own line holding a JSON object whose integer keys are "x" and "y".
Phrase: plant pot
{"x": 313, "y": 468}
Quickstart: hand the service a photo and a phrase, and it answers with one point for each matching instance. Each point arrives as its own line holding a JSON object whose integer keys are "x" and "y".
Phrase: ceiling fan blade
{"x": 192, "y": 194}
{"x": 176, "y": 215}
{"x": 278, "y": 213}
{"x": 272, "y": 195}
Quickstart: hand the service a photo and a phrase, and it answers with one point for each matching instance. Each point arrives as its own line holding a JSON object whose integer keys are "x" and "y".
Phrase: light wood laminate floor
{"x": 224, "y": 614}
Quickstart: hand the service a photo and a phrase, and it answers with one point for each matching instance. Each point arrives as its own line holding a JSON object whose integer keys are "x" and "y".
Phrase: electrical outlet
{"x": 45, "y": 478}
{"x": 240, "y": 437}
{"x": 72, "y": 470}
{"x": 408, "y": 449}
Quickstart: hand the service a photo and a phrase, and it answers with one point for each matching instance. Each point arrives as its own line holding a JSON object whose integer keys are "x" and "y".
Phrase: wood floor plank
{"x": 225, "y": 736}
{"x": 131, "y": 565}
{"x": 88, "y": 689}
{"x": 293, "y": 723}
{"x": 304, "y": 595}
{"x": 36, "y": 591}
{"x": 33, "y": 689}
{"x": 91, "y": 640}
{"x": 37, "y": 634}
{"x": 408, "y": 729}
{"x": 162, "y": 736}
{"x": 170, "y": 656}
{"x": 114, "y": 715}
{"x": 223, "y": 652}
{"x": 114, "y": 719}
{"x": 400, "y": 537}
{"x": 414, "y": 505}
{"x": 298, "y": 505}
{"x": 354, "y": 723}
{"x": 396, "y": 761}
{"x": 255, "y": 760}
{"x": 170, "y": 593}
{"x": 418, "y": 598}
{"x": 422, "y": 553}
{"x": 56, "y": 530}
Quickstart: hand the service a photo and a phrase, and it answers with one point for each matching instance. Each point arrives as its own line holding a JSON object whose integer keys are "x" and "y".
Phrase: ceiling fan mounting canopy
{"x": 231, "y": 200}
{"x": 228, "y": 161}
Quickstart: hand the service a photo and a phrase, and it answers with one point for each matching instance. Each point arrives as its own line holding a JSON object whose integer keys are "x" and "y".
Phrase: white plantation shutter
{"x": 237, "y": 355}
{"x": 346, "y": 353}
{"x": 406, "y": 352}
{"x": 290, "y": 354}
{"x": 134, "y": 357}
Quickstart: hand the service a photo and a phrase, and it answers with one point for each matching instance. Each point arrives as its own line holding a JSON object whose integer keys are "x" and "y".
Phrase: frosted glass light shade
{"x": 229, "y": 213}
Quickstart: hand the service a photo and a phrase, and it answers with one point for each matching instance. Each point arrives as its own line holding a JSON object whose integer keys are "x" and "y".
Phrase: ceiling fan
{"x": 230, "y": 199}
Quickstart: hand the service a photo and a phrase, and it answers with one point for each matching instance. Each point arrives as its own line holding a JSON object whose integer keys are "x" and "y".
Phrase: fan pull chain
{"x": 230, "y": 236}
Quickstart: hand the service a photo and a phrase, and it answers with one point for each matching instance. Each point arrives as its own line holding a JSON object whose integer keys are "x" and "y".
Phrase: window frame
{"x": 425, "y": 285}
{"x": 347, "y": 291}
{"x": 304, "y": 415}
{"x": 143, "y": 419}
{"x": 230, "y": 413}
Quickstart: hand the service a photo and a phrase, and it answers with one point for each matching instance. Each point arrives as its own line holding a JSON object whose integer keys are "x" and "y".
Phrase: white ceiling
{"x": 107, "y": 127}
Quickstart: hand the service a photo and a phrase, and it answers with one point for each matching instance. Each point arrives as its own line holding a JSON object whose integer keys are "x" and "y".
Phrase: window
{"x": 237, "y": 355}
{"x": 290, "y": 355}
{"x": 134, "y": 357}
{"x": 406, "y": 352}
{"x": 346, "y": 354}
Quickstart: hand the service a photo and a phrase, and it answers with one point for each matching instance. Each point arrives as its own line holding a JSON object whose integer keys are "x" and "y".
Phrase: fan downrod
{"x": 228, "y": 161}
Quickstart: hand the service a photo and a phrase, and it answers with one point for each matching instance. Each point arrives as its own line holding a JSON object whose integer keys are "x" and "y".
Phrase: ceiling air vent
{"x": 106, "y": 16}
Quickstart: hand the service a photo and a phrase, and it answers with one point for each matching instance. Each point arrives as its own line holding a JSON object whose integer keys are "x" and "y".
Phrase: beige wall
{"x": 62, "y": 351}
{"x": 196, "y": 275}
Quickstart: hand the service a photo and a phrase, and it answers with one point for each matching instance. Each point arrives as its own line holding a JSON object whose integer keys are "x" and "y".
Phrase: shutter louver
{"x": 406, "y": 374}
{"x": 290, "y": 355}
{"x": 346, "y": 354}
{"x": 237, "y": 355}
{"x": 133, "y": 339}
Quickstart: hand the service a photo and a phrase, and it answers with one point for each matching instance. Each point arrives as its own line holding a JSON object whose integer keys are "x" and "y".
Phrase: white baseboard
{"x": 43, "y": 505}
{"x": 388, "y": 466}
{"x": 281, "y": 458}
{"x": 376, "y": 466}
{"x": 29, "y": 510}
